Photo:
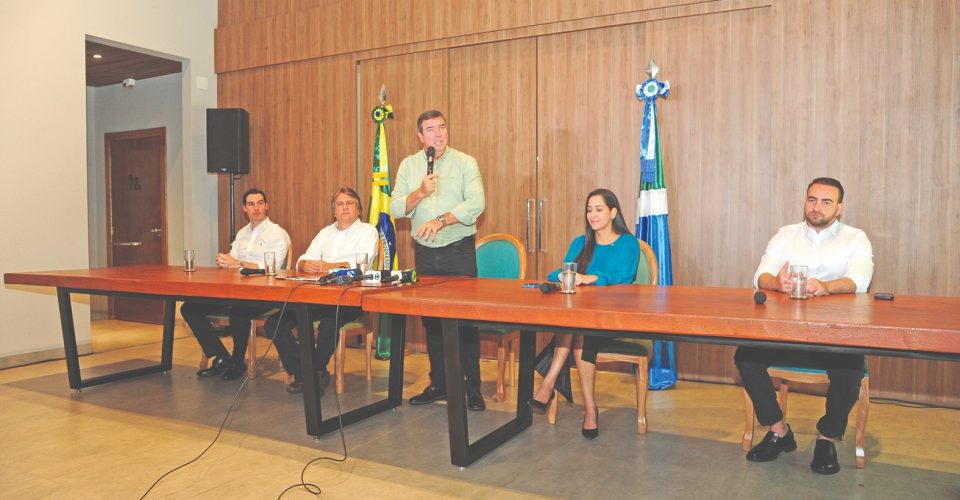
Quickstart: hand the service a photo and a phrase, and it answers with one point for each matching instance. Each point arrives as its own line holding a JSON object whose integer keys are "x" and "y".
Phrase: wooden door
{"x": 136, "y": 216}
{"x": 588, "y": 129}
{"x": 493, "y": 116}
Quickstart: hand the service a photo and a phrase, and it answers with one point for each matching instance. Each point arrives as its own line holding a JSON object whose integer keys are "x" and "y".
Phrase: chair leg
{"x": 369, "y": 353}
{"x": 512, "y": 344}
{"x": 252, "y": 351}
{"x": 552, "y": 408}
{"x": 749, "y": 419}
{"x": 862, "y": 413}
{"x": 784, "y": 391}
{"x": 338, "y": 371}
{"x": 501, "y": 368}
{"x": 641, "y": 378}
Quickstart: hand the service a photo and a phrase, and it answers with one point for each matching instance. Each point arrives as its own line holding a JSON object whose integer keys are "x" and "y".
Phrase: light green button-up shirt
{"x": 459, "y": 191}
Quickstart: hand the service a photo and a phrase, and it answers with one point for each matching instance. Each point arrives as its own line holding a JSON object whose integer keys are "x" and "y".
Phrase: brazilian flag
{"x": 380, "y": 215}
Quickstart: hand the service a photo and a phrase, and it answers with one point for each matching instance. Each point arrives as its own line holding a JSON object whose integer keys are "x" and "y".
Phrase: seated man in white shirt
{"x": 252, "y": 241}
{"x": 335, "y": 246}
{"x": 840, "y": 260}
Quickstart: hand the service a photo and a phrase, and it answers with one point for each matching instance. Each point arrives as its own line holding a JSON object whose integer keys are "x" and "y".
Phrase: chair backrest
{"x": 290, "y": 264}
{"x": 647, "y": 270}
{"x": 501, "y": 256}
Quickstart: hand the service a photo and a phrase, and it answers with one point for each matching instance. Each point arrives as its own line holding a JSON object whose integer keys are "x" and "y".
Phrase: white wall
{"x": 151, "y": 103}
{"x": 43, "y": 138}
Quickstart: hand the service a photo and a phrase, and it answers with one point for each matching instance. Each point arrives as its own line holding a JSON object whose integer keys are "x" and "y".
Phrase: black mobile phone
{"x": 883, "y": 296}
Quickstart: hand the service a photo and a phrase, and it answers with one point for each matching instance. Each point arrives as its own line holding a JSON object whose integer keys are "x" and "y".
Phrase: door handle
{"x": 156, "y": 230}
{"x": 526, "y": 233}
{"x": 540, "y": 225}
{"x": 127, "y": 243}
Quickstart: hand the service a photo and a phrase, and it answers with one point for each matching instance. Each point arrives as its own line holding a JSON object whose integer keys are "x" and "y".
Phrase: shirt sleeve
{"x": 772, "y": 259}
{"x": 473, "y": 202}
{"x": 401, "y": 189}
{"x": 573, "y": 251}
{"x": 367, "y": 244}
{"x": 621, "y": 267}
{"x": 314, "y": 251}
{"x": 860, "y": 265}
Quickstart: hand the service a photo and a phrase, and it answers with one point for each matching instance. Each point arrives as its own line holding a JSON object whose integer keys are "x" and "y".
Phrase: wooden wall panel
{"x": 415, "y": 83}
{"x": 588, "y": 121}
{"x": 301, "y": 133}
{"x": 493, "y": 117}
{"x": 767, "y": 94}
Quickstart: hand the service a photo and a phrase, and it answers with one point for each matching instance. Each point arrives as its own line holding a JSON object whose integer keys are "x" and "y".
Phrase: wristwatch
{"x": 442, "y": 219}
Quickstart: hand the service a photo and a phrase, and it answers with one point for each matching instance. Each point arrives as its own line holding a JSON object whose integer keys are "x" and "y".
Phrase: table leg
{"x": 398, "y": 340}
{"x": 69, "y": 339}
{"x": 462, "y": 453}
{"x": 166, "y": 349}
{"x": 308, "y": 372}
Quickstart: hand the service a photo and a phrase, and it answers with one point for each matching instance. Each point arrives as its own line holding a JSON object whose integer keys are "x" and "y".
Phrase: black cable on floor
{"x": 311, "y": 487}
{"x": 243, "y": 384}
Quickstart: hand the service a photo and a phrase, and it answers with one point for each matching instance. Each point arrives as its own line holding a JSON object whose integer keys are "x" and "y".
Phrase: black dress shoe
{"x": 475, "y": 400}
{"x": 235, "y": 371}
{"x": 539, "y": 407}
{"x": 592, "y": 433}
{"x": 825, "y": 458}
{"x": 218, "y": 365}
{"x": 295, "y": 386}
{"x": 430, "y": 394}
{"x": 771, "y": 446}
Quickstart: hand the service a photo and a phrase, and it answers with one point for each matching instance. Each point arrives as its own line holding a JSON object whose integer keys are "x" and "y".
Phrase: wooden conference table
{"x": 922, "y": 327}
{"x": 221, "y": 286}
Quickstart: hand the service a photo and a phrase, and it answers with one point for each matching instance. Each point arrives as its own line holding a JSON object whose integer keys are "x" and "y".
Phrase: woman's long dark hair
{"x": 590, "y": 236}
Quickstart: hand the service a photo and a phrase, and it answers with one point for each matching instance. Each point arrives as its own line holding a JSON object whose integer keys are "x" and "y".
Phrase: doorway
{"x": 135, "y": 164}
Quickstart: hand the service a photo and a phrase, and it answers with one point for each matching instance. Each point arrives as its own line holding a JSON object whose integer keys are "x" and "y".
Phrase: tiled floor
{"x": 114, "y": 441}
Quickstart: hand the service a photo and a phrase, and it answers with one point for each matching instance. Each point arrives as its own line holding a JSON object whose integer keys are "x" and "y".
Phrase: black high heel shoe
{"x": 539, "y": 407}
{"x": 592, "y": 433}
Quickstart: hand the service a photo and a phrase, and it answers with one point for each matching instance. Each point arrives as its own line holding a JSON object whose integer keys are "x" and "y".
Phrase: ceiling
{"x": 117, "y": 64}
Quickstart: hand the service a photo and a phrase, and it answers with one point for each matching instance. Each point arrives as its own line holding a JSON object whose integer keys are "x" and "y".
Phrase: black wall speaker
{"x": 228, "y": 140}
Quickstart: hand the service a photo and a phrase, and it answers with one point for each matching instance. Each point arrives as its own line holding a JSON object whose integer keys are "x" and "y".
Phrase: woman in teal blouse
{"x": 606, "y": 254}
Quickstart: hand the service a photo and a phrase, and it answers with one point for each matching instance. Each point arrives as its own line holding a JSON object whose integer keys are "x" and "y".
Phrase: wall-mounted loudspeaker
{"x": 228, "y": 140}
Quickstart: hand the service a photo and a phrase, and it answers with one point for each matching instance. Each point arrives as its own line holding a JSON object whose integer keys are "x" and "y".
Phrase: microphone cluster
{"x": 405, "y": 276}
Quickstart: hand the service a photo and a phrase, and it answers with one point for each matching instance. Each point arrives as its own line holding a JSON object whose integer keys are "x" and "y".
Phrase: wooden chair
{"x": 502, "y": 256}
{"x": 786, "y": 375}
{"x": 255, "y": 323}
{"x": 629, "y": 350}
{"x": 362, "y": 327}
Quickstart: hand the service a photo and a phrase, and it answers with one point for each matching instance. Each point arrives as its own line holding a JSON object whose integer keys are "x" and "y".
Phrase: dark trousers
{"x": 455, "y": 259}
{"x": 195, "y": 314}
{"x": 327, "y": 334}
{"x": 844, "y": 370}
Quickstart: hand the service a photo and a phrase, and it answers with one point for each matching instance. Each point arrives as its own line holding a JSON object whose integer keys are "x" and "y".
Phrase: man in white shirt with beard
{"x": 840, "y": 260}
{"x": 252, "y": 241}
{"x": 335, "y": 246}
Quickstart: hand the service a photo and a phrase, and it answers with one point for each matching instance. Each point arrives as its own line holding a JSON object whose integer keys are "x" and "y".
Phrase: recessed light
{"x": 97, "y": 56}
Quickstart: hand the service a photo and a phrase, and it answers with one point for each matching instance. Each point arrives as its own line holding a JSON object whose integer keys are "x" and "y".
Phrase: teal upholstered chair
{"x": 629, "y": 350}
{"x": 787, "y": 374}
{"x": 502, "y": 256}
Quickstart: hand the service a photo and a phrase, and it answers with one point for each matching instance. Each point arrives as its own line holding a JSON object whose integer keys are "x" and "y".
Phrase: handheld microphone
{"x": 759, "y": 297}
{"x": 247, "y": 272}
{"x": 548, "y": 287}
{"x": 430, "y": 154}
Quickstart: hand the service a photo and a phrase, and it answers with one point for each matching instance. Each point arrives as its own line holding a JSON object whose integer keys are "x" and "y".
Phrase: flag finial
{"x": 383, "y": 94}
{"x": 652, "y": 68}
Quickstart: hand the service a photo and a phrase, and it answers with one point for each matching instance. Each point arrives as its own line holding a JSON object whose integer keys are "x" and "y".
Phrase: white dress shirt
{"x": 251, "y": 244}
{"x": 333, "y": 245}
{"x": 838, "y": 251}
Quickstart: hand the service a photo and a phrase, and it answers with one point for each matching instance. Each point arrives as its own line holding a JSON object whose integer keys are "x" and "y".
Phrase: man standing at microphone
{"x": 440, "y": 189}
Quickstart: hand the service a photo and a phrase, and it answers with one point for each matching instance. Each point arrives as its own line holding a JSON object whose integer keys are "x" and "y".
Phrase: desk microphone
{"x": 430, "y": 154}
{"x": 548, "y": 287}
{"x": 759, "y": 297}
{"x": 247, "y": 271}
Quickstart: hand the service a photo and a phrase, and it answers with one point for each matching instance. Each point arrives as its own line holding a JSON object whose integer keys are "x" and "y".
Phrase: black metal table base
{"x": 72, "y": 356}
{"x": 462, "y": 452}
{"x": 316, "y": 425}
